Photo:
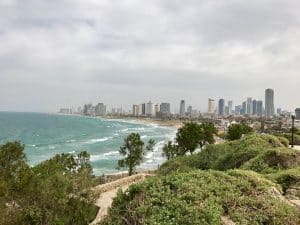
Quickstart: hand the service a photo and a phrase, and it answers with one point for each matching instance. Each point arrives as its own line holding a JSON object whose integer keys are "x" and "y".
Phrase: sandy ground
{"x": 109, "y": 190}
{"x": 105, "y": 201}
{"x": 297, "y": 147}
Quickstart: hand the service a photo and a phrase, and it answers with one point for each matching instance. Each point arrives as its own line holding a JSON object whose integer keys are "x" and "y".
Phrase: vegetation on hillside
{"x": 236, "y": 131}
{"x": 55, "y": 192}
{"x": 247, "y": 181}
{"x": 202, "y": 197}
{"x": 190, "y": 137}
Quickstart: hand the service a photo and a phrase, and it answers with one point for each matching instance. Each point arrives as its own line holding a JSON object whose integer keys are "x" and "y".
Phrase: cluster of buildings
{"x": 218, "y": 110}
{"x": 249, "y": 107}
{"x": 163, "y": 110}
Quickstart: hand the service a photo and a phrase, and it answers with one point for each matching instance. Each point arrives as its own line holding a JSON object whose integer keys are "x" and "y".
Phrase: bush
{"x": 273, "y": 160}
{"x": 202, "y": 197}
{"x": 284, "y": 141}
{"x": 296, "y": 138}
{"x": 236, "y": 131}
{"x": 287, "y": 178}
{"x": 57, "y": 191}
{"x": 224, "y": 156}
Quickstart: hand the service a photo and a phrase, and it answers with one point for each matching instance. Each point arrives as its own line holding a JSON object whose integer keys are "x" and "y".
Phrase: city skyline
{"x": 56, "y": 53}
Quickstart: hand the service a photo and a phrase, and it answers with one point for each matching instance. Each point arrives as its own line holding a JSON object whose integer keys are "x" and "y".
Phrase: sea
{"x": 45, "y": 135}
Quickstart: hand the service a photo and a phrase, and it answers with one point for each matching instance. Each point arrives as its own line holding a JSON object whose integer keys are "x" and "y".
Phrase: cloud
{"x": 56, "y": 53}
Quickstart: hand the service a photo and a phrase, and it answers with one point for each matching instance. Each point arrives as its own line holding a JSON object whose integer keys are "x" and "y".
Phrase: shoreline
{"x": 176, "y": 124}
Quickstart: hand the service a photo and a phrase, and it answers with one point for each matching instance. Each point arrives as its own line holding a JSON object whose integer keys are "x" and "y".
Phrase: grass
{"x": 202, "y": 197}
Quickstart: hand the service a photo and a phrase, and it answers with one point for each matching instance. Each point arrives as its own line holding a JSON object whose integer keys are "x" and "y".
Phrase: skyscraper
{"x": 244, "y": 108}
{"x": 100, "y": 109}
{"x": 254, "y": 107}
{"x": 249, "y": 106}
{"x": 182, "y": 108}
{"x": 297, "y": 112}
{"x": 230, "y": 107}
{"x": 211, "y": 105}
{"x": 165, "y": 108}
{"x": 135, "y": 110}
{"x": 221, "y": 107}
{"x": 269, "y": 102}
{"x": 238, "y": 110}
{"x": 143, "y": 109}
{"x": 259, "y": 110}
{"x": 149, "y": 109}
{"x": 189, "y": 110}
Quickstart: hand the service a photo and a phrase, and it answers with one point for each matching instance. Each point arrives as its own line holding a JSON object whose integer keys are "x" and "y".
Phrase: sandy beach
{"x": 176, "y": 124}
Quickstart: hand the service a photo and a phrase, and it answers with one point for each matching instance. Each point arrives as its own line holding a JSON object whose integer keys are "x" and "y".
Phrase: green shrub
{"x": 284, "y": 141}
{"x": 286, "y": 178}
{"x": 296, "y": 138}
{"x": 273, "y": 160}
{"x": 202, "y": 197}
{"x": 224, "y": 156}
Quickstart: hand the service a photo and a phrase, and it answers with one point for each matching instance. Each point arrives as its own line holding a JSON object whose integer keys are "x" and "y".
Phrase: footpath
{"x": 109, "y": 190}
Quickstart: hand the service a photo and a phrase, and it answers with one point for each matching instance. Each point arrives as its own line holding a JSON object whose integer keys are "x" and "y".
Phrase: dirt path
{"x": 108, "y": 192}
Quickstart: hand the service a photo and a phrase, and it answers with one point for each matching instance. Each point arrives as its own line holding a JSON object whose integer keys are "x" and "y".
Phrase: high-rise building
{"x": 165, "y": 108}
{"x": 259, "y": 108}
{"x": 135, "y": 110}
{"x": 238, "y": 110}
{"x": 182, "y": 108}
{"x": 254, "y": 107}
{"x": 230, "y": 107}
{"x": 269, "y": 102}
{"x": 149, "y": 109}
{"x": 249, "y": 106}
{"x": 100, "y": 109}
{"x": 221, "y": 107}
{"x": 211, "y": 105}
{"x": 156, "y": 109}
{"x": 279, "y": 111}
{"x": 143, "y": 109}
{"x": 189, "y": 110}
{"x": 297, "y": 112}
{"x": 87, "y": 109}
{"x": 244, "y": 108}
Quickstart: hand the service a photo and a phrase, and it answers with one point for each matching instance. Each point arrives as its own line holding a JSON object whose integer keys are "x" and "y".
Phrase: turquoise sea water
{"x": 45, "y": 135}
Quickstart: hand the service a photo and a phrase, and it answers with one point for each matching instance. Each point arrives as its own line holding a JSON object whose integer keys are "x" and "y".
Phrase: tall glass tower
{"x": 269, "y": 102}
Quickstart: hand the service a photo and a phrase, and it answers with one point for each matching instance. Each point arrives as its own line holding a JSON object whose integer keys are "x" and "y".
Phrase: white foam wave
{"x": 111, "y": 153}
{"x": 106, "y": 156}
{"x": 70, "y": 141}
{"x": 97, "y": 140}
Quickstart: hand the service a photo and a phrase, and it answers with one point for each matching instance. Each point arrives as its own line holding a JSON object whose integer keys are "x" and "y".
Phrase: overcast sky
{"x": 56, "y": 53}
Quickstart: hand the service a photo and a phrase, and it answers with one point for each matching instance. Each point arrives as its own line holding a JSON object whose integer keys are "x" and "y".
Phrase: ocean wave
{"x": 132, "y": 129}
{"x": 97, "y": 140}
{"x": 111, "y": 153}
{"x": 104, "y": 156}
{"x": 70, "y": 141}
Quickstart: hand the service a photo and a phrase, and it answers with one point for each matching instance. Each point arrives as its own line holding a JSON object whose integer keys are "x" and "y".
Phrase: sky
{"x": 62, "y": 53}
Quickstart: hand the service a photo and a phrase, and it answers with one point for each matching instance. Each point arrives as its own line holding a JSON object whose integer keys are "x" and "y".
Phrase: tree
{"x": 235, "y": 131}
{"x": 56, "y": 191}
{"x": 188, "y": 137}
{"x": 207, "y": 134}
{"x": 170, "y": 150}
{"x": 193, "y": 135}
{"x": 133, "y": 150}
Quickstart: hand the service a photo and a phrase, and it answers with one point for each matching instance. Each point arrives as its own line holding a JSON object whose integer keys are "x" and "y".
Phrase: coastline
{"x": 176, "y": 124}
